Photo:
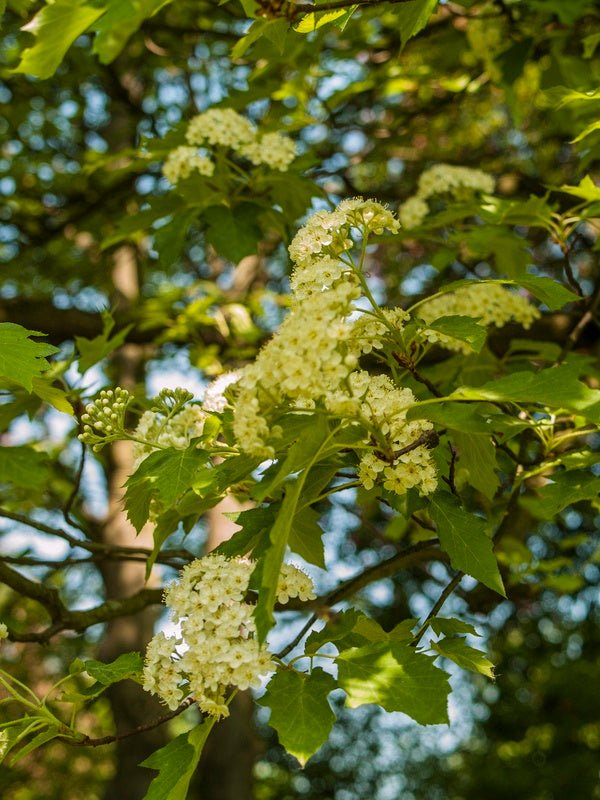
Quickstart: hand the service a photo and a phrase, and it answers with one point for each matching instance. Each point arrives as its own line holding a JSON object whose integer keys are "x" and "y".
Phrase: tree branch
{"x": 87, "y": 741}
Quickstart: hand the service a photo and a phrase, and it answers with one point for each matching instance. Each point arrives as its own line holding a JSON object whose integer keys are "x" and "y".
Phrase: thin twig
{"x": 408, "y": 364}
{"x": 585, "y": 320}
{"x": 88, "y": 741}
{"x": 447, "y": 591}
{"x": 74, "y": 492}
{"x": 450, "y": 480}
{"x": 298, "y": 638}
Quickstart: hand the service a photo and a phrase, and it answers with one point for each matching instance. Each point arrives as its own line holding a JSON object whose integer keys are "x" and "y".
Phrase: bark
{"x": 131, "y": 705}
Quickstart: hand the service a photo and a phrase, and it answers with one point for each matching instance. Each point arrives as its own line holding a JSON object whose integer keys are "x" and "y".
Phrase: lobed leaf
{"x": 397, "y": 678}
{"x": 22, "y": 360}
{"x": 300, "y": 711}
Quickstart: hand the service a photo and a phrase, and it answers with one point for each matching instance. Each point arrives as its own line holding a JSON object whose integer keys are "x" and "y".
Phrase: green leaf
{"x": 22, "y": 360}
{"x": 555, "y": 387}
{"x": 55, "y": 27}
{"x": 477, "y": 455}
{"x": 234, "y": 233}
{"x": 463, "y": 537}
{"x": 352, "y": 628}
{"x": 309, "y": 435}
{"x": 44, "y": 389}
{"x": 413, "y": 16}
{"x": 554, "y": 294}
{"x": 464, "y": 656}
{"x": 397, "y": 678}
{"x": 306, "y": 537}
{"x": 23, "y": 466}
{"x": 566, "y": 488}
{"x": 255, "y": 31}
{"x": 127, "y": 665}
{"x": 119, "y": 21}
{"x": 449, "y": 626}
{"x": 269, "y": 566}
{"x": 591, "y": 128}
{"x": 256, "y": 524}
{"x": 176, "y": 763}
{"x": 472, "y": 418}
{"x": 512, "y": 61}
{"x": 300, "y": 711}
{"x": 312, "y": 21}
{"x": 91, "y": 351}
{"x": 465, "y": 329}
{"x": 162, "y": 477}
{"x": 277, "y": 33}
{"x": 585, "y": 189}
{"x": 51, "y": 732}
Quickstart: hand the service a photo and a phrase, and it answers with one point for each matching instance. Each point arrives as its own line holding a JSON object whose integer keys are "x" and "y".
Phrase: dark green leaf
{"x": 512, "y": 60}
{"x": 121, "y": 19}
{"x": 352, "y": 628}
{"x": 463, "y": 537}
{"x": 413, "y": 16}
{"x": 555, "y": 387}
{"x": 566, "y": 488}
{"x": 310, "y": 436}
{"x": 306, "y": 537}
{"x": 256, "y": 525}
{"x": 448, "y": 626}
{"x": 300, "y": 711}
{"x": 464, "y": 656}
{"x": 473, "y": 418}
{"x": 465, "y": 329}
{"x": 176, "y": 763}
{"x": 234, "y": 233}
{"x": 477, "y": 455}
{"x": 554, "y": 294}
{"x": 161, "y": 477}
{"x": 127, "y": 665}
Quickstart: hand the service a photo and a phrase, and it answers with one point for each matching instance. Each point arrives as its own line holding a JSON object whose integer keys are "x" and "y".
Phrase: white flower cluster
{"x": 307, "y": 358}
{"x": 384, "y": 406}
{"x": 371, "y": 332}
{"x": 214, "y": 399}
{"x": 460, "y": 182}
{"x": 220, "y": 126}
{"x": 490, "y": 303}
{"x": 327, "y": 233}
{"x": 217, "y": 646}
{"x": 156, "y": 430}
{"x": 314, "y": 356}
{"x": 103, "y": 419}
{"x": 273, "y": 149}
{"x": 182, "y": 161}
{"x": 224, "y": 127}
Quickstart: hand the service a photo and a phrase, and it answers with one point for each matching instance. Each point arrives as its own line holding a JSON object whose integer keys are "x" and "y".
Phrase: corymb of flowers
{"x": 221, "y": 133}
{"x": 313, "y": 361}
{"x": 216, "y": 648}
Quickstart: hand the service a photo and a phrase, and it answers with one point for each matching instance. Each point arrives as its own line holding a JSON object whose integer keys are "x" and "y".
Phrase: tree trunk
{"x": 131, "y": 705}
